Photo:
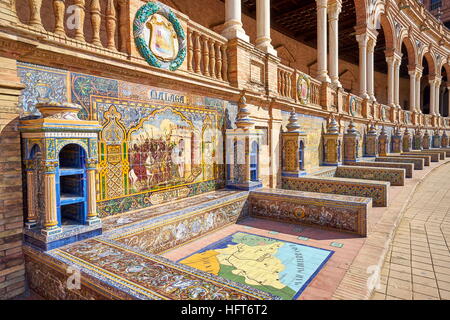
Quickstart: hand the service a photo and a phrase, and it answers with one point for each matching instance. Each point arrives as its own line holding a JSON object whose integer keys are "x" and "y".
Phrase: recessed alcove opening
{"x": 72, "y": 185}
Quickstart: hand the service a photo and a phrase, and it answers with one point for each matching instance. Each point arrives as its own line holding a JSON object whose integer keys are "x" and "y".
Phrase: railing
{"x": 107, "y": 23}
{"x": 286, "y": 79}
{"x": 207, "y": 52}
{"x": 315, "y": 91}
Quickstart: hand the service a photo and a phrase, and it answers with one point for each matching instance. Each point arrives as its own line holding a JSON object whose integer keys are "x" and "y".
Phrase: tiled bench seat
{"x": 434, "y": 156}
{"x": 409, "y": 167}
{"x": 395, "y": 176}
{"x": 417, "y": 162}
{"x": 426, "y": 158}
{"x": 441, "y": 153}
{"x": 447, "y": 151}
{"x": 328, "y": 211}
{"x": 376, "y": 190}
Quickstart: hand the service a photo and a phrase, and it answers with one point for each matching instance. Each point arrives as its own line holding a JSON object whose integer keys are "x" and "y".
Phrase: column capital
{"x": 362, "y": 39}
{"x": 334, "y": 9}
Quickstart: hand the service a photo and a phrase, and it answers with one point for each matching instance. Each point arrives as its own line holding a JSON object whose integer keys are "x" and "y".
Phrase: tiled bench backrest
{"x": 409, "y": 167}
{"x": 377, "y": 190}
{"x": 417, "y": 162}
{"x": 331, "y": 211}
{"x": 426, "y": 158}
{"x": 395, "y": 176}
{"x": 434, "y": 156}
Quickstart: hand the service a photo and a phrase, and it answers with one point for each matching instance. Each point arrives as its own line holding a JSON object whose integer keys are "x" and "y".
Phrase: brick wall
{"x": 12, "y": 272}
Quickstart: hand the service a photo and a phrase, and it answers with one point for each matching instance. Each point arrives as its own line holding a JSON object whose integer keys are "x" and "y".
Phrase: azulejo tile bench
{"x": 426, "y": 158}
{"x": 418, "y": 163}
{"x": 441, "y": 153}
{"x": 395, "y": 176}
{"x": 434, "y": 156}
{"x": 376, "y": 190}
{"x": 447, "y": 151}
{"x": 328, "y": 211}
{"x": 409, "y": 167}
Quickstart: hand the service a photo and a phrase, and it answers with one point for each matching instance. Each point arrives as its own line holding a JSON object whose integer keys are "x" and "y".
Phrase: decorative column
{"x": 351, "y": 143}
{"x": 32, "y": 215}
{"x": 371, "y": 141}
{"x": 406, "y": 141}
{"x": 91, "y": 167}
{"x": 417, "y": 140}
{"x": 426, "y": 140}
{"x": 444, "y": 140}
{"x": 293, "y": 142}
{"x": 397, "y": 141}
{"x": 418, "y": 87}
{"x": 383, "y": 140}
{"x": 233, "y": 21}
{"x": 263, "y": 39}
{"x": 370, "y": 69}
{"x": 51, "y": 214}
{"x": 362, "y": 42}
{"x": 397, "y": 82}
{"x": 412, "y": 88}
{"x": 391, "y": 81}
{"x": 432, "y": 96}
{"x": 334, "y": 9}
{"x": 322, "y": 67}
{"x": 331, "y": 141}
{"x": 437, "y": 95}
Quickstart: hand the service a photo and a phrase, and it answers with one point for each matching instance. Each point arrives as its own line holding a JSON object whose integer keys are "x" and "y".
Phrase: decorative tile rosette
{"x": 303, "y": 89}
{"x": 158, "y": 19}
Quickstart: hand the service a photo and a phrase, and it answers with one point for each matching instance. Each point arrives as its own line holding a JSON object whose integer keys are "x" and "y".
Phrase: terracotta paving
{"x": 418, "y": 262}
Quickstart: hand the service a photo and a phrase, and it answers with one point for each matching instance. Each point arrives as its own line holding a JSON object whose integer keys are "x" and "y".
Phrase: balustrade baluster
{"x": 205, "y": 57}
{"x": 111, "y": 24}
{"x": 190, "y": 56}
{"x": 80, "y": 14}
{"x": 96, "y": 21}
{"x": 225, "y": 63}
{"x": 59, "y": 8}
{"x": 35, "y": 14}
{"x": 197, "y": 53}
{"x": 212, "y": 59}
{"x": 123, "y": 25}
{"x": 218, "y": 61}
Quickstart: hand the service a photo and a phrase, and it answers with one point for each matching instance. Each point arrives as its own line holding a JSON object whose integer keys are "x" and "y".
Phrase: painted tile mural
{"x": 156, "y": 145}
{"x": 43, "y": 84}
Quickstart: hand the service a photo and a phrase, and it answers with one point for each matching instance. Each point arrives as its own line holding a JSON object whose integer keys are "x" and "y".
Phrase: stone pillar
{"x": 432, "y": 96}
{"x": 322, "y": 67}
{"x": 383, "y": 143}
{"x": 351, "y": 142}
{"x": 370, "y": 69}
{"x": 233, "y": 21}
{"x": 391, "y": 81}
{"x": 397, "y": 82}
{"x": 362, "y": 42}
{"x": 371, "y": 142}
{"x": 437, "y": 96}
{"x": 418, "y": 87}
{"x": 263, "y": 39}
{"x": 406, "y": 141}
{"x": 292, "y": 140}
{"x": 412, "y": 89}
{"x": 334, "y": 9}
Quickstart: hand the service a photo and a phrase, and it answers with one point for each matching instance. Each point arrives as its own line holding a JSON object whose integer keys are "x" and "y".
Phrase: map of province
{"x": 279, "y": 267}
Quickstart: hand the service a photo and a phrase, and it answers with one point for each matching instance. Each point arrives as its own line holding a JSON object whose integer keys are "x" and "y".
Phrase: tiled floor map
{"x": 275, "y": 266}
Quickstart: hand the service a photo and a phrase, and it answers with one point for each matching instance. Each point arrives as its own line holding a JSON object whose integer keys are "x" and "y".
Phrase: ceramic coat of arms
{"x": 303, "y": 89}
{"x": 159, "y": 36}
